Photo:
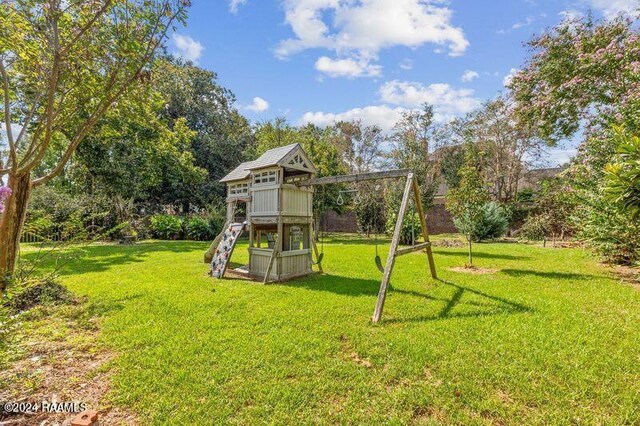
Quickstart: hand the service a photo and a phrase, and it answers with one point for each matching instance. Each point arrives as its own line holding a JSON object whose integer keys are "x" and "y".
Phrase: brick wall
{"x": 333, "y": 222}
{"x": 439, "y": 221}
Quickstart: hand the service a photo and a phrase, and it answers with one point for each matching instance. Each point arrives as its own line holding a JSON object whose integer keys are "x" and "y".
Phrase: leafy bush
{"x": 40, "y": 226}
{"x": 611, "y": 232}
{"x": 535, "y": 228}
{"x": 493, "y": 224}
{"x": 526, "y": 195}
{"x": 166, "y": 227}
{"x": 410, "y": 227}
{"x": 55, "y": 214}
{"x": 198, "y": 228}
{"x": 370, "y": 215}
{"x": 39, "y": 292}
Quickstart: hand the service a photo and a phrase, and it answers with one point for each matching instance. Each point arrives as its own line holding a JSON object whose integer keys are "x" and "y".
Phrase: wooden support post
{"x": 411, "y": 249}
{"x": 391, "y": 258}
{"x": 279, "y": 246}
{"x": 425, "y": 230}
{"x": 271, "y": 259}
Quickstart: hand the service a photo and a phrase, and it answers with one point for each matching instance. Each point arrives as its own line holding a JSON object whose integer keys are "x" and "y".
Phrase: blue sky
{"x": 322, "y": 60}
{"x": 325, "y": 60}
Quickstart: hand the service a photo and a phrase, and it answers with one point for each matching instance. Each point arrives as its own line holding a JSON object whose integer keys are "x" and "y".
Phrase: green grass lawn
{"x": 551, "y": 338}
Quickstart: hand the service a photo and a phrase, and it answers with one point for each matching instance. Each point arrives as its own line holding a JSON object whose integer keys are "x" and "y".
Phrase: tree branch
{"x": 86, "y": 27}
{"x": 51, "y": 93}
{"x": 28, "y": 119}
{"x": 89, "y": 124}
{"x": 7, "y": 116}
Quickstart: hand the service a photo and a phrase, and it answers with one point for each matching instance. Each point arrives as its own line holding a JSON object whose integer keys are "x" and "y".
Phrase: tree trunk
{"x": 470, "y": 255}
{"x": 11, "y": 223}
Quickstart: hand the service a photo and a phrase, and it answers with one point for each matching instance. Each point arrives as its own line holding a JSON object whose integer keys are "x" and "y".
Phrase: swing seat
{"x": 379, "y": 264}
{"x": 320, "y": 256}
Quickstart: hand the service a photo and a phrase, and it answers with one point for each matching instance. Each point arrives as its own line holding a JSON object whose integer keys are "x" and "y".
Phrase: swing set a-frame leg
{"x": 425, "y": 230}
{"x": 391, "y": 258}
{"x": 410, "y": 186}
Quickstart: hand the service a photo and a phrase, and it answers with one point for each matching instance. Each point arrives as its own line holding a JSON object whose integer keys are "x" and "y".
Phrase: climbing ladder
{"x": 222, "y": 253}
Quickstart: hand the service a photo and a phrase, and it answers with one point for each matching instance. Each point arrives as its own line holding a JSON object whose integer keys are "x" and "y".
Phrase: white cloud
{"x": 361, "y": 29}
{"x": 381, "y": 115}
{"x": 15, "y": 131}
{"x": 258, "y": 105}
{"x": 235, "y": 4}
{"x": 406, "y": 64}
{"x": 350, "y": 68}
{"x": 611, "y": 8}
{"x": 521, "y": 24}
{"x": 469, "y": 75}
{"x": 507, "y": 78}
{"x": 187, "y": 47}
{"x": 446, "y": 100}
{"x": 558, "y": 156}
{"x": 399, "y": 97}
{"x": 530, "y": 20}
{"x": 571, "y": 14}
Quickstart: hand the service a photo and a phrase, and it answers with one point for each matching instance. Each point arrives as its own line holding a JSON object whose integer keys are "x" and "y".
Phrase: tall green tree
{"x": 319, "y": 144}
{"x": 586, "y": 73}
{"x": 509, "y": 147}
{"x": 223, "y": 138}
{"x": 466, "y": 201}
{"x": 414, "y": 147}
{"x": 63, "y": 65}
{"x": 135, "y": 155}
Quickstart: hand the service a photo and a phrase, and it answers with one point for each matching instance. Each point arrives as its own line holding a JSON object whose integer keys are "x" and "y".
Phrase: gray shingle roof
{"x": 239, "y": 173}
{"x": 269, "y": 158}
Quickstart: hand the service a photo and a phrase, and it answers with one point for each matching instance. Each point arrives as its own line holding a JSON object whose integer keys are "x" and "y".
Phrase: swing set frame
{"x": 411, "y": 187}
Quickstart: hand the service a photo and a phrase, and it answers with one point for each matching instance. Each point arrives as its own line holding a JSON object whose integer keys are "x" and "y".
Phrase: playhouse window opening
{"x": 296, "y": 237}
{"x": 239, "y": 189}
{"x": 291, "y": 176}
{"x": 265, "y": 178}
{"x": 266, "y": 237}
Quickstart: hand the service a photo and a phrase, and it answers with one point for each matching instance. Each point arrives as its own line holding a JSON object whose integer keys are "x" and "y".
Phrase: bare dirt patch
{"x": 352, "y": 355}
{"x": 628, "y": 274}
{"x": 473, "y": 270}
{"x": 55, "y": 359}
{"x": 448, "y": 243}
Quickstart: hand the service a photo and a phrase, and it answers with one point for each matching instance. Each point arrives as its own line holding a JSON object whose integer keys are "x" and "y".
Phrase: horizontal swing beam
{"x": 411, "y": 249}
{"x": 357, "y": 177}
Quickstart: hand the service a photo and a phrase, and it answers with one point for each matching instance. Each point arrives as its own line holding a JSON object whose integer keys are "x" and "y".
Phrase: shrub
{"x": 198, "y": 228}
{"x": 40, "y": 227}
{"x": 39, "y": 292}
{"x": 166, "y": 227}
{"x": 493, "y": 224}
{"x": 535, "y": 228}
{"x": 410, "y": 227}
{"x": 370, "y": 215}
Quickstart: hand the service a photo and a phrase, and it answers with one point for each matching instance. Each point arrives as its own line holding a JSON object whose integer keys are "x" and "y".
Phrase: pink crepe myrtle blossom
{"x": 5, "y": 191}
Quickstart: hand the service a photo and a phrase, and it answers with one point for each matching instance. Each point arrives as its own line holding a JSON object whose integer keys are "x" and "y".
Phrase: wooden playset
{"x": 277, "y": 190}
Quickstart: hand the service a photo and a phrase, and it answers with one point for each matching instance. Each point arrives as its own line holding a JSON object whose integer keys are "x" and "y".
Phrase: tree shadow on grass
{"x": 101, "y": 307}
{"x": 480, "y": 255}
{"x": 356, "y": 287}
{"x": 497, "y": 306}
{"x": 98, "y": 257}
{"x": 548, "y": 274}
